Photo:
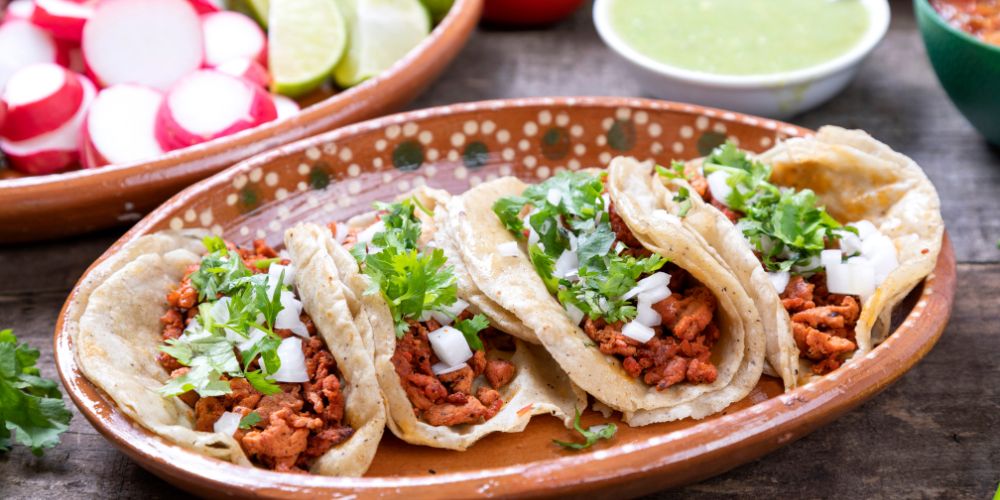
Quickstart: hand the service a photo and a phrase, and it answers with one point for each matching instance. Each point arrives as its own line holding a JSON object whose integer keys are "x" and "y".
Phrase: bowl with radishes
{"x": 107, "y": 107}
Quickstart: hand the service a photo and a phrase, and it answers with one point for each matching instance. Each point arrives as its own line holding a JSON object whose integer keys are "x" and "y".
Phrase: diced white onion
{"x": 369, "y": 232}
{"x": 449, "y": 345}
{"x": 881, "y": 251}
{"x": 288, "y": 317}
{"x": 227, "y": 423}
{"x": 638, "y": 331}
{"x": 655, "y": 295}
{"x": 574, "y": 243}
{"x": 607, "y": 202}
{"x": 340, "y": 233}
{"x": 779, "y": 280}
{"x": 293, "y": 361}
{"x": 441, "y": 368}
{"x": 851, "y": 278}
{"x": 508, "y": 249}
{"x": 655, "y": 280}
{"x": 554, "y": 196}
{"x": 717, "y": 184}
{"x": 646, "y": 314}
{"x": 574, "y": 313}
{"x": 255, "y": 335}
{"x": 809, "y": 266}
{"x": 532, "y": 235}
{"x": 850, "y": 243}
{"x": 831, "y": 257}
{"x": 274, "y": 272}
{"x": 446, "y": 316}
{"x": 865, "y": 228}
{"x": 566, "y": 262}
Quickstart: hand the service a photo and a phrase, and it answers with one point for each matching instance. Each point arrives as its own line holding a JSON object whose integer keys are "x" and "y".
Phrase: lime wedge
{"x": 257, "y": 9}
{"x": 306, "y": 39}
{"x": 381, "y": 33}
{"x": 438, "y": 8}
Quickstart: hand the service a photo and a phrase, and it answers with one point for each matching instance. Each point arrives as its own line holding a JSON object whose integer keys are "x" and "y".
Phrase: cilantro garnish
{"x": 683, "y": 199}
{"x": 411, "y": 280}
{"x": 209, "y": 349}
{"x": 676, "y": 170}
{"x": 568, "y": 208}
{"x": 787, "y": 227}
{"x": 31, "y": 407}
{"x": 250, "y": 420}
{"x": 591, "y": 435}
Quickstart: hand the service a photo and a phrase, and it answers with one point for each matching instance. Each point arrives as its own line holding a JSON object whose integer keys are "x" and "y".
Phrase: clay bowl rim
{"x": 662, "y": 461}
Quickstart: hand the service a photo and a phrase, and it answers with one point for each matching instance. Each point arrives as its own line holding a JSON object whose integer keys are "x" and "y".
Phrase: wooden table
{"x": 933, "y": 433}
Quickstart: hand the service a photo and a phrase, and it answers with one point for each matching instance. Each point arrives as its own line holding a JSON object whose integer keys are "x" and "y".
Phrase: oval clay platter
{"x": 339, "y": 174}
{"x": 48, "y": 206}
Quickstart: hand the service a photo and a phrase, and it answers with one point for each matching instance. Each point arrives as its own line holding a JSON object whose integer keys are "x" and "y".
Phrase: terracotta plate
{"x": 47, "y": 206}
{"x": 338, "y": 174}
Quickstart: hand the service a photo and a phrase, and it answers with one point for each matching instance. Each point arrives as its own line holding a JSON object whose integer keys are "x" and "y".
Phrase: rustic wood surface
{"x": 932, "y": 434}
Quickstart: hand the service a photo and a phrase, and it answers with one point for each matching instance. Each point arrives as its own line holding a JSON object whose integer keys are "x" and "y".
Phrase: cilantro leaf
{"x": 250, "y": 420}
{"x": 676, "y": 170}
{"x": 683, "y": 199}
{"x": 470, "y": 329}
{"x": 260, "y": 382}
{"x": 31, "y": 407}
{"x": 591, "y": 435}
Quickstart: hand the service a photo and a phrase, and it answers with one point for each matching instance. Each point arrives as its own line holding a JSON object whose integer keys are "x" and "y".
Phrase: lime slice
{"x": 381, "y": 33}
{"x": 257, "y": 9}
{"x": 438, "y": 8}
{"x": 306, "y": 39}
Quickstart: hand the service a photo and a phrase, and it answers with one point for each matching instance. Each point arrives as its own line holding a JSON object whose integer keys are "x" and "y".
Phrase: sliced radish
{"x": 146, "y": 42}
{"x": 231, "y": 35}
{"x": 285, "y": 106}
{"x": 63, "y": 18}
{"x": 120, "y": 126}
{"x": 207, "y": 6}
{"x": 23, "y": 44}
{"x": 208, "y": 104}
{"x": 3, "y": 113}
{"x": 54, "y": 151}
{"x": 248, "y": 69}
{"x": 19, "y": 10}
{"x": 40, "y": 98}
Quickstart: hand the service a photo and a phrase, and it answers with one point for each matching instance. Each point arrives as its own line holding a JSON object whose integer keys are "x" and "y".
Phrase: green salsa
{"x": 740, "y": 37}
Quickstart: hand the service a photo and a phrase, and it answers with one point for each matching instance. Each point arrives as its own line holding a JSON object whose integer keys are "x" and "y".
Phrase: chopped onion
{"x": 449, "y": 345}
{"x": 508, "y": 249}
{"x": 574, "y": 313}
{"x": 340, "y": 233}
{"x": 850, "y": 243}
{"x": 293, "y": 361}
{"x": 288, "y": 317}
{"x": 255, "y": 335}
{"x": 811, "y": 265}
{"x": 831, "y": 257}
{"x": 607, "y": 202}
{"x": 655, "y": 295}
{"x": 646, "y": 314}
{"x": 532, "y": 235}
{"x": 779, "y": 280}
{"x": 655, "y": 280}
{"x": 881, "y": 251}
{"x": 566, "y": 263}
{"x": 638, "y": 331}
{"x": 865, "y": 229}
{"x": 441, "y": 368}
{"x": 274, "y": 272}
{"x": 369, "y": 232}
{"x": 856, "y": 277}
{"x": 227, "y": 423}
{"x": 448, "y": 314}
{"x": 554, "y": 196}
{"x": 717, "y": 184}
{"x": 574, "y": 243}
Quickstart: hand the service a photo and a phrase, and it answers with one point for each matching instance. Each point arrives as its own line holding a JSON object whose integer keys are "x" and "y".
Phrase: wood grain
{"x": 932, "y": 434}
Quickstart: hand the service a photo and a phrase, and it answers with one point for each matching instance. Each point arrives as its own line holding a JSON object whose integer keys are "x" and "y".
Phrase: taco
{"x": 453, "y": 365}
{"x": 231, "y": 352}
{"x": 627, "y": 301}
{"x": 828, "y": 233}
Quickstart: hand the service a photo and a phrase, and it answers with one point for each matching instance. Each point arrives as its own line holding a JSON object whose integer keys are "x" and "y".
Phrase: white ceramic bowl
{"x": 777, "y": 95}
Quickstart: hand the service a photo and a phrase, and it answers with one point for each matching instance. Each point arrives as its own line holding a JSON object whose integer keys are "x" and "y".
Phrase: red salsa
{"x": 980, "y": 18}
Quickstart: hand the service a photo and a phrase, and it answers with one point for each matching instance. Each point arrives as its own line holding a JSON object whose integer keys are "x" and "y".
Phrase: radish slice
{"x": 638, "y": 331}
{"x": 250, "y": 70}
{"x": 40, "y": 98}
{"x": 63, "y": 18}
{"x": 293, "y": 361}
{"x": 147, "y": 42}
{"x": 208, "y": 104}
{"x": 120, "y": 126}
{"x": 54, "y": 151}
{"x": 227, "y": 423}
{"x": 285, "y": 106}
{"x": 19, "y": 10}
{"x": 207, "y": 6}
{"x": 231, "y": 35}
{"x": 449, "y": 345}
{"x": 23, "y": 44}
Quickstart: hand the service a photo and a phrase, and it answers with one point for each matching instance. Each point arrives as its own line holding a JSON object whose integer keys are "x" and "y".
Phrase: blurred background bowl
{"x": 776, "y": 95}
{"x": 967, "y": 67}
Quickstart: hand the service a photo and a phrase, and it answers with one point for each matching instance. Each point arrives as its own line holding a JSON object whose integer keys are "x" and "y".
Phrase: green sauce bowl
{"x": 967, "y": 67}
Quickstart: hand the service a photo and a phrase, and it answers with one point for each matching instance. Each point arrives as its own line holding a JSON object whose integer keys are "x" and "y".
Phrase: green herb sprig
{"x": 31, "y": 407}
{"x": 591, "y": 435}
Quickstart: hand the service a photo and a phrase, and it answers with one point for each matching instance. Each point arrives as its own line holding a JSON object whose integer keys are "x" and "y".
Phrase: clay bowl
{"x": 56, "y": 205}
{"x": 338, "y": 174}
